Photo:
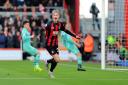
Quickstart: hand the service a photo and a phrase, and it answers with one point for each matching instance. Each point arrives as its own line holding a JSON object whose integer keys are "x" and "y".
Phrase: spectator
{"x": 16, "y": 11}
{"x": 3, "y": 40}
{"x": 35, "y": 29}
{"x": 28, "y": 2}
{"x": 6, "y": 31}
{"x": 17, "y": 22}
{"x": 16, "y": 39}
{"x": 24, "y": 10}
{"x": 10, "y": 40}
{"x": 94, "y": 11}
{"x": 44, "y": 2}
{"x": 122, "y": 39}
{"x": 50, "y": 3}
{"x": 42, "y": 9}
{"x": 88, "y": 46}
{"x": 35, "y": 2}
{"x": 33, "y": 10}
{"x": 1, "y": 20}
{"x": 13, "y": 30}
{"x": 14, "y": 2}
{"x": 20, "y": 2}
{"x": 17, "y": 2}
{"x": 42, "y": 38}
{"x": 7, "y": 5}
{"x": 58, "y": 3}
{"x": 11, "y": 21}
{"x": 35, "y": 41}
{"x": 5, "y": 21}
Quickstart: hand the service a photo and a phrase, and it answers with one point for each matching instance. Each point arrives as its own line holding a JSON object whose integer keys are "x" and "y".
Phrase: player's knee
{"x": 37, "y": 54}
{"x": 57, "y": 60}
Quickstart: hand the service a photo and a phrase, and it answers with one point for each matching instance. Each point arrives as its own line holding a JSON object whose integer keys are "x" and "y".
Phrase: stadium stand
{"x": 14, "y": 12}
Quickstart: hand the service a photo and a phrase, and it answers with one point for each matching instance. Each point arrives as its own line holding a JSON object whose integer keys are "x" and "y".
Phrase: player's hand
{"x": 78, "y": 37}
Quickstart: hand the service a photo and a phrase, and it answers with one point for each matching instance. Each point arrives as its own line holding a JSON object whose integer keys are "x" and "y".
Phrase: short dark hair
{"x": 26, "y": 21}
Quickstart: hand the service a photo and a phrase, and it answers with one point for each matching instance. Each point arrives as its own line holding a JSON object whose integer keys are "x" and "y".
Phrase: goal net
{"x": 115, "y": 44}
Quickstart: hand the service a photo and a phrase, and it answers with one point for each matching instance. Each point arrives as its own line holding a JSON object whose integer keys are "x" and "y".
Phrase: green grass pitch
{"x": 21, "y": 73}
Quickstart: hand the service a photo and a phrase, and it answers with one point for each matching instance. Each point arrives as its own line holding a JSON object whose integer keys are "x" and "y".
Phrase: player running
{"x": 26, "y": 40}
{"x": 52, "y": 30}
{"x": 71, "y": 47}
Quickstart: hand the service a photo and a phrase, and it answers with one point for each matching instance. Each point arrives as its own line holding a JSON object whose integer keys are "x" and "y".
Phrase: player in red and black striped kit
{"x": 52, "y": 30}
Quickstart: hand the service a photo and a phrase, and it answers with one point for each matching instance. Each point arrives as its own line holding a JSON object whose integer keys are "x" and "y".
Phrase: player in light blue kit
{"x": 71, "y": 47}
{"x": 26, "y": 40}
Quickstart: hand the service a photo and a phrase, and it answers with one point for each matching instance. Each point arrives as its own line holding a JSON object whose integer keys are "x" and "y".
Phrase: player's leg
{"x": 49, "y": 61}
{"x": 79, "y": 62}
{"x": 71, "y": 47}
{"x": 98, "y": 23}
{"x": 34, "y": 52}
{"x": 54, "y": 64}
{"x": 93, "y": 22}
{"x": 54, "y": 59}
{"x": 79, "y": 57}
{"x": 36, "y": 62}
{"x": 55, "y": 54}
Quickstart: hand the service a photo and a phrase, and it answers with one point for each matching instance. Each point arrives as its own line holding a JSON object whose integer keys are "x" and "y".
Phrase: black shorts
{"x": 52, "y": 50}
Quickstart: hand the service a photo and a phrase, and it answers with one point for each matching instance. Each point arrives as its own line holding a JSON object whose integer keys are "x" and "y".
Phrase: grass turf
{"x": 21, "y": 73}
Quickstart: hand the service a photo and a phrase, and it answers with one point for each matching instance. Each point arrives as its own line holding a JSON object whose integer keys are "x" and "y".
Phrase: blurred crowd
{"x": 11, "y": 25}
{"x": 10, "y": 28}
{"x": 12, "y": 5}
{"x": 31, "y": 2}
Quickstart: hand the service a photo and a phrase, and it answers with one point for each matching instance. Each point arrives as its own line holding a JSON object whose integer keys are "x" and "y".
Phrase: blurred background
{"x": 83, "y": 15}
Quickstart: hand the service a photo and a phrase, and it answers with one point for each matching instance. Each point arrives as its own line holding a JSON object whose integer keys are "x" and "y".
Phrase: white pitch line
{"x": 83, "y": 66}
{"x": 21, "y": 78}
{"x": 100, "y": 79}
{"x": 28, "y": 78}
{"x": 94, "y": 68}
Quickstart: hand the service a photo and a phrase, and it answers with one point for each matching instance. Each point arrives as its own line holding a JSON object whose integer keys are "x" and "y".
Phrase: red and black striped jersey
{"x": 52, "y": 30}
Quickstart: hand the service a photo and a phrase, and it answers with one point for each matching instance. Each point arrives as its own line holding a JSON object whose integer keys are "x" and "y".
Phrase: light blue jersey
{"x": 67, "y": 41}
{"x": 26, "y": 39}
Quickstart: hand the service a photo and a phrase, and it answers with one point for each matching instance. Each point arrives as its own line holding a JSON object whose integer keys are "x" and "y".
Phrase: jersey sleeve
{"x": 62, "y": 28}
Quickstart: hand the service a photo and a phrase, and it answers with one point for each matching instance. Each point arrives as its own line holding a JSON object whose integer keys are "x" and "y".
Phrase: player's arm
{"x": 67, "y": 31}
{"x": 77, "y": 44}
{"x": 70, "y": 33}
